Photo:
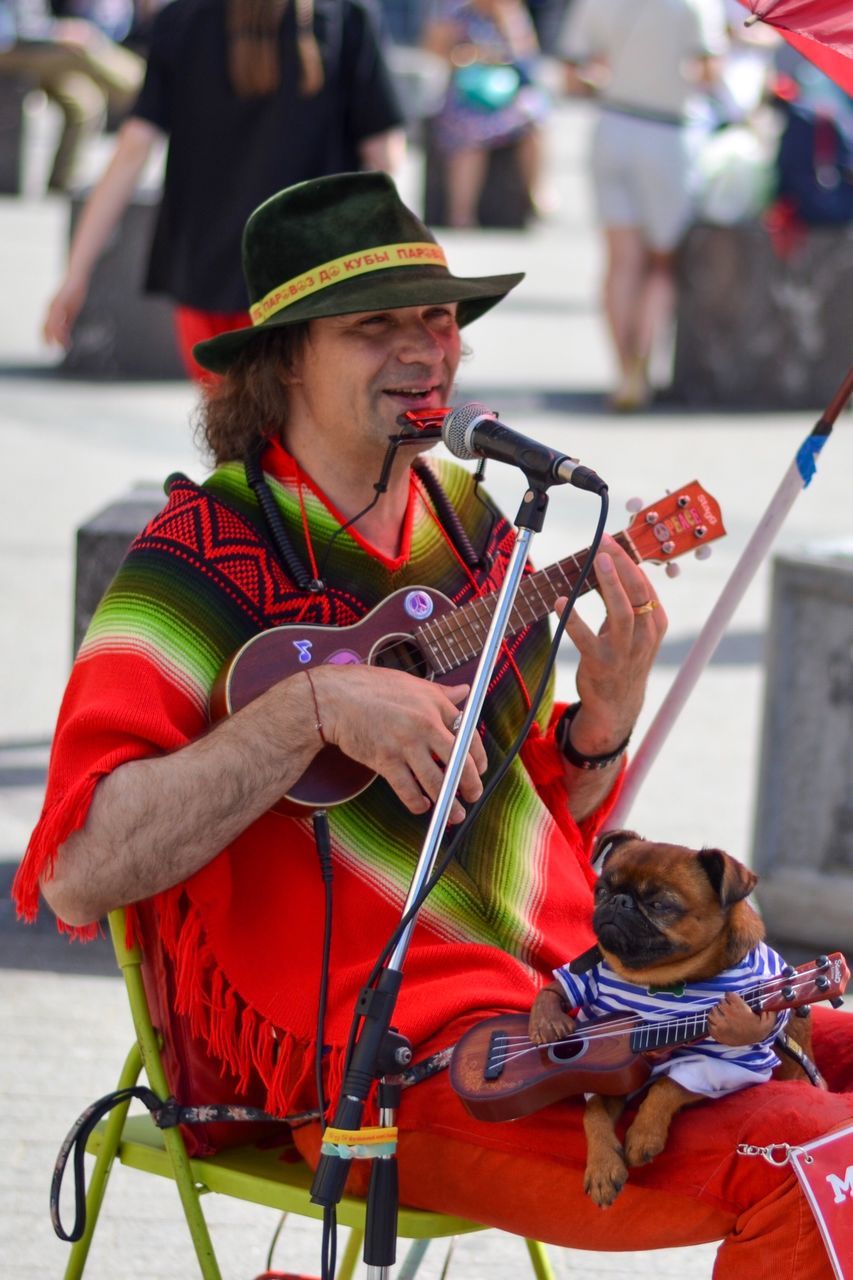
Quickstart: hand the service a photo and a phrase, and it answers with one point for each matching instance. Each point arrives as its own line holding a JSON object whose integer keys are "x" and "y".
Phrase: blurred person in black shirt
{"x": 253, "y": 96}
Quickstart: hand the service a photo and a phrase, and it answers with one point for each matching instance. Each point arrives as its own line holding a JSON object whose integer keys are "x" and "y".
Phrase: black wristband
{"x": 577, "y": 758}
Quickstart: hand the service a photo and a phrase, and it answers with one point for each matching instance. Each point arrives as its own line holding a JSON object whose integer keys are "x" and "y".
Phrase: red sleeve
{"x": 544, "y": 762}
{"x": 100, "y": 728}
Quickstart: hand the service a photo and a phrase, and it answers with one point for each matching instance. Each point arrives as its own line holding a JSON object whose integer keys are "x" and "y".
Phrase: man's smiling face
{"x": 357, "y": 373}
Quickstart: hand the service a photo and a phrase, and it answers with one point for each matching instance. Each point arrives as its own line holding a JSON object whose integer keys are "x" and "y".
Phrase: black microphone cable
{"x": 329, "y": 1240}
{"x": 322, "y": 839}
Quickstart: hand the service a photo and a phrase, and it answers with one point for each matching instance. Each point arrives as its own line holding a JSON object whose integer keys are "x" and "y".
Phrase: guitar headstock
{"x": 686, "y": 519}
{"x": 822, "y": 979}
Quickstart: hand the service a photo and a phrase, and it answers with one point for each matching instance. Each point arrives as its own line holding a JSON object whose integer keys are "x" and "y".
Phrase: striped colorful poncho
{"x": 243, "y": 936}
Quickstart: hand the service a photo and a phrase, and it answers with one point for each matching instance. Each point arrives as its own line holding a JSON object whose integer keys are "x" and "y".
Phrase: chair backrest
{"x": 183, "y": 1064}
{"x": 129, "y": 959}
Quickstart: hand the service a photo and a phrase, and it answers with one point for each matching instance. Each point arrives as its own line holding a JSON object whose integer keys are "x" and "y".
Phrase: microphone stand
{"x": 380, "y": 1051}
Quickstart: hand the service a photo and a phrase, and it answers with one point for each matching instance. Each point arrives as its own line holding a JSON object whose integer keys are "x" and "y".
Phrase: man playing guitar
{"x": 356, "y": 320}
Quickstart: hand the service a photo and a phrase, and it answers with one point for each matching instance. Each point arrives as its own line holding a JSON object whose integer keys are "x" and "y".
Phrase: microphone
{"x": 473, "y": 431}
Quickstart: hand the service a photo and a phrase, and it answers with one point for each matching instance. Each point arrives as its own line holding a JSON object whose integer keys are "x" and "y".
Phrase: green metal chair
{"x": 245, "y": 1173}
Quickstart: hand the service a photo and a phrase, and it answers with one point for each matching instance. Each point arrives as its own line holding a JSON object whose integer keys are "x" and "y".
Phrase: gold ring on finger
{"x": 645, "y": 608}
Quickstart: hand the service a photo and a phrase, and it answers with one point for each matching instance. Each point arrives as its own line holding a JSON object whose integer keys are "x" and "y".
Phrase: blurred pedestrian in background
{"x": 746, "y": 68}
{"x": 253, "y": 96}
{"x": 491, "y": 101}
{"x": 115, "y": 18}
{"x": 548, "y": 16}
{"x": 643, "y": 60}
{"x": 814, "y": 159}
{"x": 77, "y": 65}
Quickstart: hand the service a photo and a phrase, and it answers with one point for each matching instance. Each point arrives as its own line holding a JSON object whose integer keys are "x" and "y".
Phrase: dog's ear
{"x": 730, "y": 879}
{"x": 608, "y": 841}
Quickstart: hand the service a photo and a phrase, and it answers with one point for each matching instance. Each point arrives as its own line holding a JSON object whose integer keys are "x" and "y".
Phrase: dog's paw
{"x": 642, "y": 1144}
{"x": 605, "y": 1179}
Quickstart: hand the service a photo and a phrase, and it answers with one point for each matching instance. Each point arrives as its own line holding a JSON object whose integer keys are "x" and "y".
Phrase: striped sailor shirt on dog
{"x": 703, "y": 1066}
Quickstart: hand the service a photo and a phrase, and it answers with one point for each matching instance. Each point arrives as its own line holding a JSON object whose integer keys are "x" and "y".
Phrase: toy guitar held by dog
{"x": 500, "y": 1074}
{"x": 421, "y": 631}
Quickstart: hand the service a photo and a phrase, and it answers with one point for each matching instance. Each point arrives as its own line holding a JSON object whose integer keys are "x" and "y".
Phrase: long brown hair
{"x": 254, "y": 66}
{"x": 248, "y": 404}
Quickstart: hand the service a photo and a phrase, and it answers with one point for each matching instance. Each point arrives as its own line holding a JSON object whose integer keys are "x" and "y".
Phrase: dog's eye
{"x": 659, "y": 905}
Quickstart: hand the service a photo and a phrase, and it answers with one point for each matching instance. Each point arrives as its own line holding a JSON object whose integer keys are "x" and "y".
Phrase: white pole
{"x": 795, "y": 479}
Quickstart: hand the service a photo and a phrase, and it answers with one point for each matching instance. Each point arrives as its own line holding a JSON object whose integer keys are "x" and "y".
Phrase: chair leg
{"x": 413, "y": 1259}
{"x": 189, "y": 1193}
{"x": 103, "y": 1167}
{"x": 351, "y": 1255}
{"x": 542, "y": 1268}
{"x": 174, "y": 1143}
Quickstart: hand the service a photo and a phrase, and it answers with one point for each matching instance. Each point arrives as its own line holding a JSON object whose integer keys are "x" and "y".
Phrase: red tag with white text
{"x": 825, "y": 1170}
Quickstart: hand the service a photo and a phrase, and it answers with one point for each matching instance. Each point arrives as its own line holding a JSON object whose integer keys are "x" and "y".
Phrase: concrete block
{"x": 803, "y": 839}
{"x": 102, "y": 543}
{"x": 754, "y": 329}
{"x": 121, "y": 331}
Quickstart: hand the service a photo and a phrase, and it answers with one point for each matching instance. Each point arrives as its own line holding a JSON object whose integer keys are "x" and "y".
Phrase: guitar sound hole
{"x": 567, "y": 1050}
{"x": 401, "y": 654}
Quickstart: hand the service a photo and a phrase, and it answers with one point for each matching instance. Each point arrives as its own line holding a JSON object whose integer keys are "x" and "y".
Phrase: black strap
{"x": 169, "y": 1113}
{"x": 447, "y": 515}
{"x": 274, "y": 520}
{"x": 164, "y": 1114}
{"x": 586, "y": 960}
{"x": 791, "y": 1049}
{"x": 425, "y": 1068}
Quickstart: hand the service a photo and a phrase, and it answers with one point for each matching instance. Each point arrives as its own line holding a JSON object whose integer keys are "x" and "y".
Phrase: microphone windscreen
{"x": 457, "y": 425}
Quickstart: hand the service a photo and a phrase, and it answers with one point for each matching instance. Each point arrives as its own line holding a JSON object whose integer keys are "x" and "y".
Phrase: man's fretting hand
{"x": 614, "y": 662}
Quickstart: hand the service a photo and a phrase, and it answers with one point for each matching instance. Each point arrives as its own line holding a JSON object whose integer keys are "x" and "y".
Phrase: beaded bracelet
{"x": 577, "y": 758}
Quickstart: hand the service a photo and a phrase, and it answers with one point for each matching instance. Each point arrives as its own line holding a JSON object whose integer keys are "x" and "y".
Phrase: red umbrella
{"x": 821, "y": 30}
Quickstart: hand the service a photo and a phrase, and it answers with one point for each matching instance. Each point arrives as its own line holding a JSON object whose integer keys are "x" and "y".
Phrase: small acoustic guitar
{"x": 420, "y": 630}
{"x": 500, "y": 1074}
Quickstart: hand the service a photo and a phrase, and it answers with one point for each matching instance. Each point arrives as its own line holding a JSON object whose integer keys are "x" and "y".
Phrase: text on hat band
{"x": 354, "y": 264}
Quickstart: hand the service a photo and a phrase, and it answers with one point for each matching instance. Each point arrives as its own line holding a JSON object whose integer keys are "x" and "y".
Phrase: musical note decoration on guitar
{"x": 500, "y": 1074}
{"x": 420, "y": 630}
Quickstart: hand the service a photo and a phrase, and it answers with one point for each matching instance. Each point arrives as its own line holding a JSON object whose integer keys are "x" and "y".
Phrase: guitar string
{"x": 617, "y": 1028}
{"x": 579, "y": 1037}
{"x": 757, "y": 993}
{"x": 451, "y": 627}
{"x": 628, "y": 1023}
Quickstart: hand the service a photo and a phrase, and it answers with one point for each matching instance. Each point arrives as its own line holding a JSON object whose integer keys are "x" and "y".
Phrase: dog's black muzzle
{"x": 622, "y": 928}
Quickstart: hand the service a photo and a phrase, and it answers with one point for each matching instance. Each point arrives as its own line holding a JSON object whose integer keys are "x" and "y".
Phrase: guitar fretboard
{"x": 682, "y": 1029}
{"x": 454, "y": 639}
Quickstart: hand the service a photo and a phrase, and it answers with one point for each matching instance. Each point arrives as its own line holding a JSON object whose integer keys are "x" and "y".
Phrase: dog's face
{"x": 664, "y": 913}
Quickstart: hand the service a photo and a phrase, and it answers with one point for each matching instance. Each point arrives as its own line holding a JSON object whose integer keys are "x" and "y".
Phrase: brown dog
{"x": 664, "y": 916}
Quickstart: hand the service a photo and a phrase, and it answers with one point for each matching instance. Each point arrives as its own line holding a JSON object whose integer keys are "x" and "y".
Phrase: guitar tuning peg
{"x": 673, "y": 570}
{"x": 702, "y": 553}
{"x": 634, "y": 505}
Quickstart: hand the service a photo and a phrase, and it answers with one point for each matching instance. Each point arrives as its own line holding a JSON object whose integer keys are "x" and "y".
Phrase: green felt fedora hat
{"x": 341, "y": 244}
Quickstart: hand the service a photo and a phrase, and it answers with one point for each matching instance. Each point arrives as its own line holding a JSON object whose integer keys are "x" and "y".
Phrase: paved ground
{"x": 541, "y": 360}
